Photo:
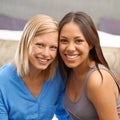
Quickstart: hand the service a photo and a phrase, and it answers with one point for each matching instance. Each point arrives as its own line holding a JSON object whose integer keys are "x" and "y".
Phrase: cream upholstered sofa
{"x": 7, "y": 50}
{"x": 8, "y": 44}
{"x": 110, "y": 47}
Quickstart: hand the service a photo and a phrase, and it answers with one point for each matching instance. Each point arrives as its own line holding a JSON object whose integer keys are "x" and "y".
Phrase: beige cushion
{"x": 112, "y": 56}
{"x": 7, "y": 50}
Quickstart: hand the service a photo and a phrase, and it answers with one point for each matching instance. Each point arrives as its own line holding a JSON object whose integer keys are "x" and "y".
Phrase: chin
{"x": 70, "y": 65}
{"x": 42, "y": 67}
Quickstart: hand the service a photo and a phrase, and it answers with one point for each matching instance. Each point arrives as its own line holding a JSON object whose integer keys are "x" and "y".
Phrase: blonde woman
{"x": 31, "y": 85}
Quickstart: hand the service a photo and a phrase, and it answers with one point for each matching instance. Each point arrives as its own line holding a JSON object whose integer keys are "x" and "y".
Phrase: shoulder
{"x": 6, "y": 67}
{"x": 98, "y": 85}
{"x": 57, "y": 79}
{"x": 6, "y": 72}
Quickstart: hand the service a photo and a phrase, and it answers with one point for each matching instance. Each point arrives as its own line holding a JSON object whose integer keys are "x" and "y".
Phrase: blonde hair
{"x": 37, "y": 25}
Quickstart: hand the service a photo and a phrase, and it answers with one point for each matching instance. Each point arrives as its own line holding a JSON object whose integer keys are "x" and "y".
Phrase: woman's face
{"x": 43, "y": 50}
{"x": 73, "y": 46}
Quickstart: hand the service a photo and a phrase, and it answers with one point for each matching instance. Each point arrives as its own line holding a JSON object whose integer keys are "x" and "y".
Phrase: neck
{"x": 34, "y": 83}
{"x": 76, "y": 81}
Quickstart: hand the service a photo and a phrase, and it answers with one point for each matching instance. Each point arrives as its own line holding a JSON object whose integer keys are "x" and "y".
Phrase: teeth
{"x": 71, "y": 56}
{"x": 43, "y": 60}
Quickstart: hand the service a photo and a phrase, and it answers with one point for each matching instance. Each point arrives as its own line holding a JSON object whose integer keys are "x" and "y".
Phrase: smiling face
{"x": 43, "y": 50}
{"x": 73, "y": 46}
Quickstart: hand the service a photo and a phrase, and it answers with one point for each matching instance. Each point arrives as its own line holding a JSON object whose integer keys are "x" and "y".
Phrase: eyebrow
{"x": 78, "y": 37}
{"x": 74, "y": 37}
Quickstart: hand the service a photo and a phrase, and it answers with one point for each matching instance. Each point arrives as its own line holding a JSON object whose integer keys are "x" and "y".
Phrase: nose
{"x": 46, "y": 51}
{"x": 71, "y": 47}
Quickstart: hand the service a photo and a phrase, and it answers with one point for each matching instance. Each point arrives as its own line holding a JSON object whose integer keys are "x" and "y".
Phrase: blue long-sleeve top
{"x": 17, "y": 102}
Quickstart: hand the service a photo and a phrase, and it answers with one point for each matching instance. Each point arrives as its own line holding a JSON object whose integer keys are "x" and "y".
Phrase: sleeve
{"x": 3, "y": 111}
{"x": 61, "y": 113}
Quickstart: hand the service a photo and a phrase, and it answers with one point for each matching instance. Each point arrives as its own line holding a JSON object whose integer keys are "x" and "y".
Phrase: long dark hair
{"x": 89, "y": 31}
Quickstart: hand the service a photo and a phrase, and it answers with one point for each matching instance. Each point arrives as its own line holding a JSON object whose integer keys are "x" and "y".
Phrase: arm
{"x": 3, "y": 111}
{"x": 103, "y": 94}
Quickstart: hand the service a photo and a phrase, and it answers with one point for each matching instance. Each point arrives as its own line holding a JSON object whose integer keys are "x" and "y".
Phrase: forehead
{"x": 47, "y": 37}
{"x": 71, "y": 28}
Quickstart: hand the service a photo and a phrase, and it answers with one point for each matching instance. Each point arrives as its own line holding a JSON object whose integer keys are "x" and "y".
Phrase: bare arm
{"x": 103, "y": 94}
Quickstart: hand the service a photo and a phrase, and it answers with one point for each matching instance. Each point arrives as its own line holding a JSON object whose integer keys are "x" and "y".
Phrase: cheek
{"x": 85, "y": 51}
{"x": 61, "y": 48}
{"x": 33, "y": 50}
{"x": 54, "y": 54}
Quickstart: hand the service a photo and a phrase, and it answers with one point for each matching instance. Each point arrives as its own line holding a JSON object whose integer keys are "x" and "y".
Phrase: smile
{"x": 71, "y": 56}
{"x": 43, "y": 60}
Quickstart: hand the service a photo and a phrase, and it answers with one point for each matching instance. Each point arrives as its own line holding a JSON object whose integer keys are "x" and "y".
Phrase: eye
{"x": 53, "y": 47}
{"x": 78, "y": 41}
{"x": 40, "y": 45}
{"x": 63, "y": 41}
